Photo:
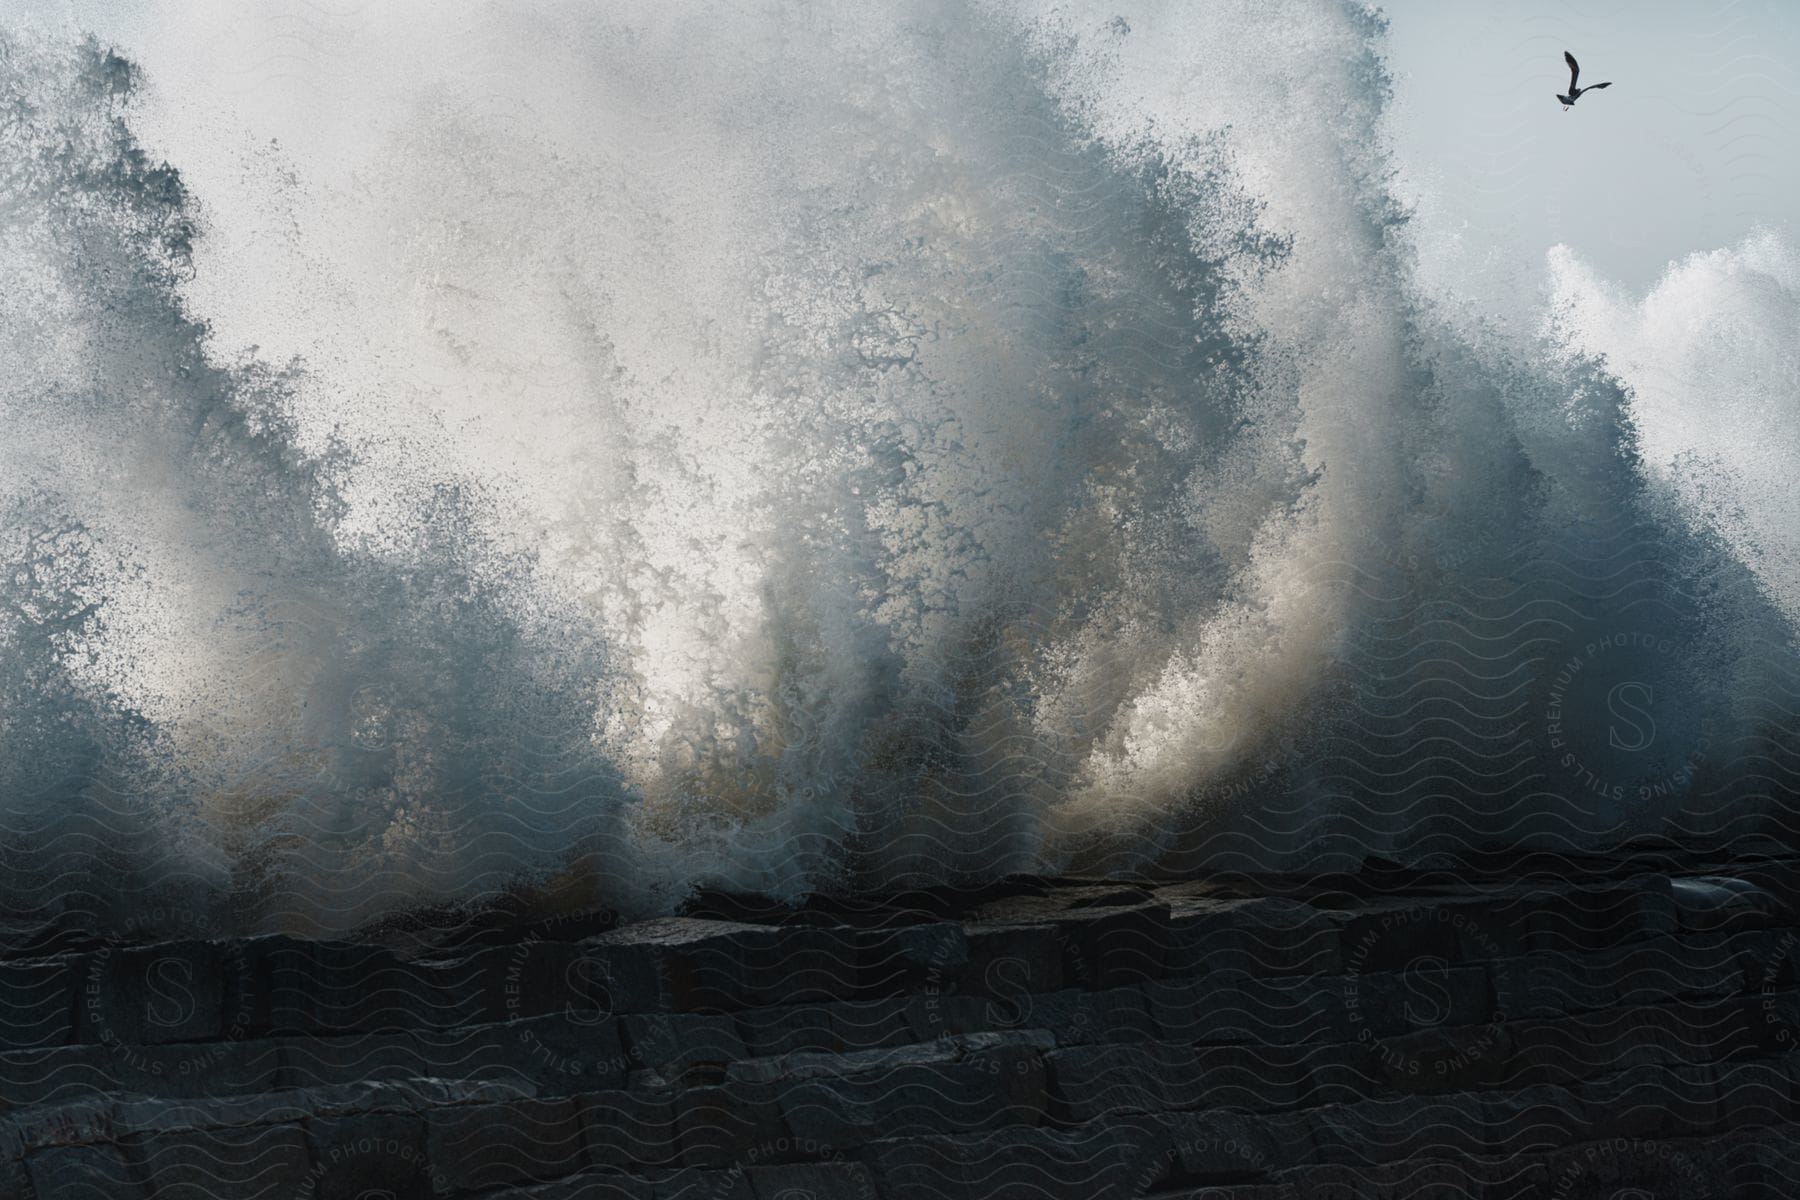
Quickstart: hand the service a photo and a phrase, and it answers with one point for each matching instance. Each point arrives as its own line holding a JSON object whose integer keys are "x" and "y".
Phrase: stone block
{"x": 1178, "y": 1009}
{"x": 250, "y": 990}
{"x": 813, "y": 1181}
{"x": 1779, "y": 881}
{"x": 1269, "y": 935}
{"x": 1535, "y": 1120}
{"x": 177, "y": 1071}
{"x": 1697, "y": 1030}
{"x": 732, "y": 1122}
{"x": 1414, "y": 1179}
{"x": 1257, "y": 1078}
{"x": 145, "y": 1115}
{"x": 256, "y": 1163}
{"x": 1552, "y": 983}
{"x": 1448, "y": 1058}
{"x": 962, "y": 1015}
{"x": 477, "y": 1146}
{"x": 1755, "y": 950}
{"x": 1388, "y": 1130}
{"x": 1115, "y": 946}
{"x": 1709, "y": 1028}
{"x": 1652, "y": 1102}
{"x": 874, "y": 1024}
{"x": 1322, "y": 1181}
{"x": 547, "y": 1055}
{"x": 278, "y": 985}
{"x": 1232, "y": 1148}
{"x": 811, "y": 1065}
{"x": 944, "y": 1015}
{"x": 1603, "y": 915}
{"x": 1088, "y": 1018}
{"x": 811, "y": 965}
{"x": 365, "y": 1057}
{"x": 1518, "y": 1179}
{"x": 1225, "y": 1007}
{"x": 1394, "y": 935}
{"x": 363, "y": 989}
{"x": 527, "y": 1056}
{"x": 619, "y": 972}
{"x": 574, "y": 1052}
{"x": 62, "y": 1072}
{"x": 200, "y": 1070}
{"x": 69, "y": 1123}
{"x": 1630, "y": 1168}
{"x": 790, "y": 1028}
{"x": 1720, "y": 903}
{"x": 761, "y": 966}
{"x": 12, "y": 1142}
{"x": 38, "y": 1003}
{"x": 986, "y": 1090}
{"x": 691, "y": 964}
{"x": 290, "y": 980}
{"x": 1090, "y": 1083}
{"x": 1423, "y": 994}
{"x": 589, "y": 1185}
{"x": 631, "y": 1129}
{"x": 536, "y": 978}
{"x": 171, "y": 992}
{"x": 910, "y": 958}
{"x": 1762, "y": 1162}
{"x": 1668, "y": 968}
{"x": 371, "y": 1154}
{"x": 1010, "y": 1164}
{"x": 1752, "y": 1093}
{"x": 15, "y": 1177}
{"x": 1007, "y": 963}
{"x": 694, "y": 1183}
{"x": 674, "y": 1044}
{"x": 84, "y": 1173}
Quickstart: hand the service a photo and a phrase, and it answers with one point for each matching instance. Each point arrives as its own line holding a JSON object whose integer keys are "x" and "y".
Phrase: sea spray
{"x": 812, "y": 448}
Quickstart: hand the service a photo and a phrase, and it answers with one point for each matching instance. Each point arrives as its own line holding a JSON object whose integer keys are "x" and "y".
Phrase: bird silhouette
{"x": 1569, "y": 100}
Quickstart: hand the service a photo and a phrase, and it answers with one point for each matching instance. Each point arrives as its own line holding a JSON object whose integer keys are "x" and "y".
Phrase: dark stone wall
{"x": 1620, "y": 1026}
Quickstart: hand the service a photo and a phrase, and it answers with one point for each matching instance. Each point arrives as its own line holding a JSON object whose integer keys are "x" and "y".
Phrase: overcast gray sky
{"x": 1692, "y": 146}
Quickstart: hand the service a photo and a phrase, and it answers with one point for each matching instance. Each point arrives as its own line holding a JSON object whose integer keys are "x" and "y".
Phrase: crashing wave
{"x": 807, "y": 450}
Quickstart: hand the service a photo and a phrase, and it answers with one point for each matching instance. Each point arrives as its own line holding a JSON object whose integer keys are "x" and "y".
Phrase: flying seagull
{"x": 1569, "y": 100}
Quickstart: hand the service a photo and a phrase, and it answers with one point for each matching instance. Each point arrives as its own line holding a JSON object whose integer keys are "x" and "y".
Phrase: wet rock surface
{"x": 1617, "y": 1025}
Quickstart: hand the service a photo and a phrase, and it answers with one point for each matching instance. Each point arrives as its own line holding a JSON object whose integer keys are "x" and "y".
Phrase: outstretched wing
{"x": 1574, "y": 70}
{"x": 1593, "y": 86}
